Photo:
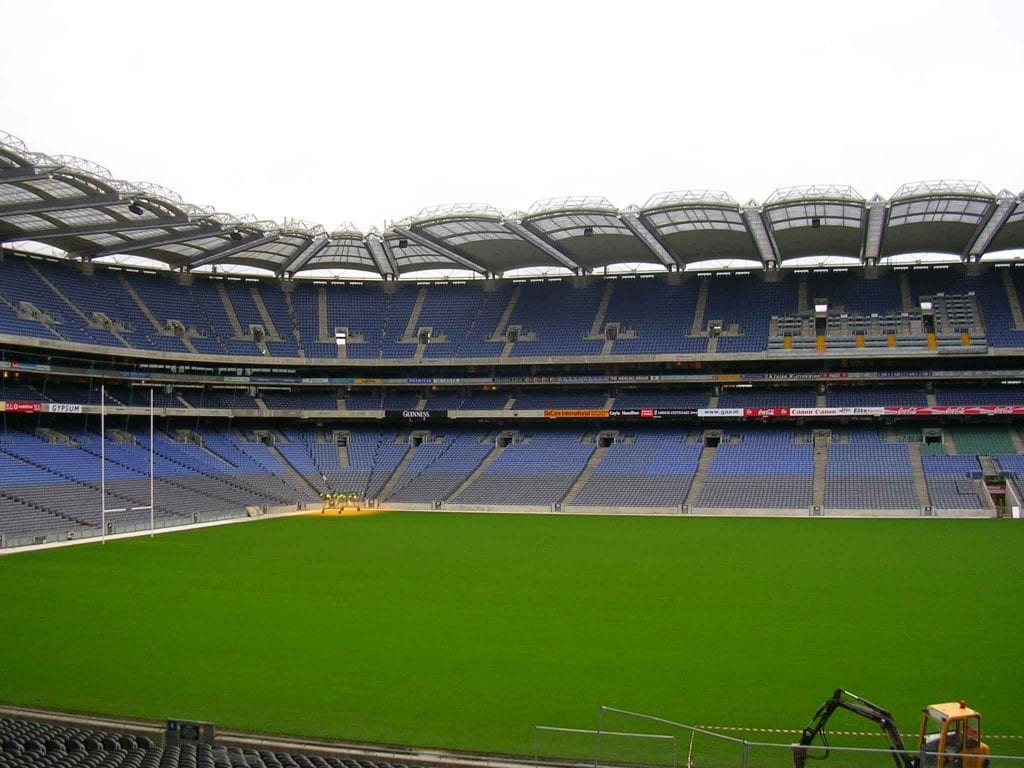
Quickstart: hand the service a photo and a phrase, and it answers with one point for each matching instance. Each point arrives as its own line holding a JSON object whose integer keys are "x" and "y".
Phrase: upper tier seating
{"x": 555, "y": 318}
{"x": 659, "y": 315}
{"x": 560, "y": 315}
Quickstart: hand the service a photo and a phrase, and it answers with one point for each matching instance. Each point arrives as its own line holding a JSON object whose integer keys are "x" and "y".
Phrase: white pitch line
{"x": 744, "y": 729}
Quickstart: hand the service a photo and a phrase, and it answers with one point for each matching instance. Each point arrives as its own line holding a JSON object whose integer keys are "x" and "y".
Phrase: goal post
{"x": 104, "y": 509}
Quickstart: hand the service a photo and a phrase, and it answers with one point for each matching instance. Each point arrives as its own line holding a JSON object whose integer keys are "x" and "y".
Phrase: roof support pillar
{"x": 313, "y": 247}
{"x": 382, "y": 256}
{"x": 1005, "y": 205}
{"x": 517, "y": 227}
{"x": 458, "y": 258}
{"x": 636, "y": 225}
{"x": 762, "y": 237}
{"x": 872, "y": 246}
{"x": 231, "y": 248}
{"x": 153, "y": 242}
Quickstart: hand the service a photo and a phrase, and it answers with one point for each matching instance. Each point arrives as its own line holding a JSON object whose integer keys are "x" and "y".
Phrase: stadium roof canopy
{"x": 78, "y": 207}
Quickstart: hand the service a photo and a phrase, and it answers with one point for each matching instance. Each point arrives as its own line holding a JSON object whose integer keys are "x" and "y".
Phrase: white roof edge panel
{"x": 942, "y": 188}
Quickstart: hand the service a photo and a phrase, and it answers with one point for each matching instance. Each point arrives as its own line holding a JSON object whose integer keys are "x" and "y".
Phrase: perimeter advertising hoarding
{"x": 956, "y": 410}
{"x": 64, "y": 408}
{"x": 720, "y": 413}
{"x": 416, "y": 415}
{"x": 651, "y": 413}
{"x": 825, "y": 411}
{"x": 765, "y": 413}
{"x": 17, "y": 406}
{"x": 576, "y": 413}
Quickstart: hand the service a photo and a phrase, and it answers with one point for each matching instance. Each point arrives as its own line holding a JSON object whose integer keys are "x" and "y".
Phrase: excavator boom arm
{"x": 852, "y": 703}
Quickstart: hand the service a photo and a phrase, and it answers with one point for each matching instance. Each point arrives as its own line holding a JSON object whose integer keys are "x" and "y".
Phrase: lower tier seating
{"x": 50, "y": 475}
{"x": 30, "y": 744}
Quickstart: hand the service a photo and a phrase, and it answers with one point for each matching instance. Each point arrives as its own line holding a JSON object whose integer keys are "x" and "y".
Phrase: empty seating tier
{"x": 723, "y": 313}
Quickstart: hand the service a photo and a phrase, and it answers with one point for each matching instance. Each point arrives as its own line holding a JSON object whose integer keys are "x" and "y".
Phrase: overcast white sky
{"x": 370, "y": 111}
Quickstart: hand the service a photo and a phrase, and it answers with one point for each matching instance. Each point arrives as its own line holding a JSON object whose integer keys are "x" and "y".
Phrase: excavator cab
{"x": 950, "y": 737}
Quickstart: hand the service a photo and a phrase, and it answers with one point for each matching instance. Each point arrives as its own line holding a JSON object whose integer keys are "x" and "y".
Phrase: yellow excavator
{"x": 949, "y": 736}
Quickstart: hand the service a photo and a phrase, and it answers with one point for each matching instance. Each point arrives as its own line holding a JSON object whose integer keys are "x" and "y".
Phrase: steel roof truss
{"x": 545, "y": 245}
{"x": 380, "y": 251}
{"x": 443, "y": 249}
{"x": 61, "y": 204}
{"x": 648, "y": 238}
{"x": 1005, "y": 206}
{"x": 99, "y": 229}
{"x": 761, "y": 236}
{"x": 230, "y": 249}
{"x": 313, "y": 247}
{"x": 133, "y": 246}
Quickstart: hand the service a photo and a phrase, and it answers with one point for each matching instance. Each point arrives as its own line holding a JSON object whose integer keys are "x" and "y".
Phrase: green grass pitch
{"x": 464, "y": 631}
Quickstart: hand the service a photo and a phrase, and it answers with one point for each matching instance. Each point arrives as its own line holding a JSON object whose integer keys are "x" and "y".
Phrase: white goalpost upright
{"x": 152, "y": 448}
{"x": 104, "y": 509}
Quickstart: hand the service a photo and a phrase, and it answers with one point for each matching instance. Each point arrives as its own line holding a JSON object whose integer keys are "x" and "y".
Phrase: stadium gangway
{"x": 103, "y": 470}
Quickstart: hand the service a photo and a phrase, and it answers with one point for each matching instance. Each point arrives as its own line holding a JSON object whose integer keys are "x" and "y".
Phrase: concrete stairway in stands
{"x": 229, "y": 309}
{"x": 297, "y": 477}
{"x": 949, "y": 443}
{"x": 1013, "y": 300}
{"x": 1015, "y": 438}
{"x": 489, "y": 459}
{"x": 584, "y": 478}
{"x": 261, "y": 307}
{"x": 414, "y": 318}
{"x": 392, "y": 481}
{"x": 326, "y": 333}
{"x": 820, "y": 463}
{"x": 499, "y": 329}
{"x": 294, "y": 317}
{"x": 906, "y": 299}
{"x": 597, "y": 327}
{"x": 988, "y": 465}
{"x": 126, "y": 284}
{"x": 701, "y": 474}
{"x": 58, "y": 292}
{"x": 697, "y": 327}
{"x": 917, "y": 468}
